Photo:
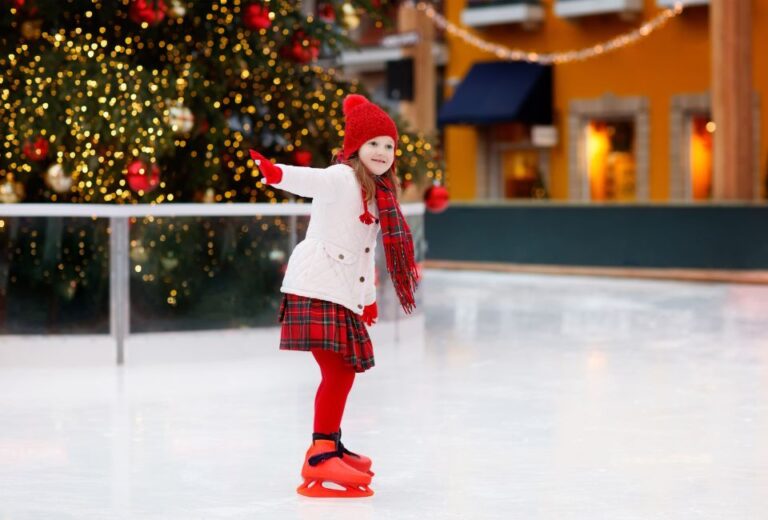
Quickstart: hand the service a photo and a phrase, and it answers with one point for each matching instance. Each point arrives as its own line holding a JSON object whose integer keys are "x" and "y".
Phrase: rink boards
{"x": 654, "y": 236}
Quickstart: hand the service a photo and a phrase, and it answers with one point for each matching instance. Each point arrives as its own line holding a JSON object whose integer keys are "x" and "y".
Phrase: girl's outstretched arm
{"x": 299, "y": 180}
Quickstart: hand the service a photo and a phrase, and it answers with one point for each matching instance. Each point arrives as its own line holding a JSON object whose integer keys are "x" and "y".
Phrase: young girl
{"x": 329, "y": 289}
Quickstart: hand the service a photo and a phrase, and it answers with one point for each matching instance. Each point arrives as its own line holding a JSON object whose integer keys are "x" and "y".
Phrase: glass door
{"x": 611, "y": 160}
{"x": 700, "y": 130}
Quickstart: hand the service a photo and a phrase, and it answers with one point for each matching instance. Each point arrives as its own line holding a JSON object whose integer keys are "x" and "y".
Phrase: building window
{"x": 515, "y": 167}
{"x": 522, "y": 174}
{"x": 608, "y": 151}
{"x": 611, "y": 161}
{"x": 700, "y": 129}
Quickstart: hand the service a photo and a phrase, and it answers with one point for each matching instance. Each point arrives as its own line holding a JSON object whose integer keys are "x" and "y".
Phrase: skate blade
{"x": 315, "y": 489}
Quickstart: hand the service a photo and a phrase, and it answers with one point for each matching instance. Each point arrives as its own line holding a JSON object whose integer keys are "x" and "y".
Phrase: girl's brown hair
{"x": 366, "y": 180}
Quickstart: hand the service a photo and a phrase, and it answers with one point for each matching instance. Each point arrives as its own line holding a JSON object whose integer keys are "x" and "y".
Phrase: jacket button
{"x": 362, "y": 278}
{"x": 359, "y": 306}
{"x": 341, "y": 257}
{"x": 367, "y": 249}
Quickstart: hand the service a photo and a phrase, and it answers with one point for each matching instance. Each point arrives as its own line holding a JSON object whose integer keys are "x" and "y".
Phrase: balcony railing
{"x": 685, "y": 3}
{"x": 579, "y": 8}
{"x": 479, "y": 13}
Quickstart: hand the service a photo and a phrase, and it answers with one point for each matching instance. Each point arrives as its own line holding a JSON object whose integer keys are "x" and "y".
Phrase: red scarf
{"x": 398, "y": 242}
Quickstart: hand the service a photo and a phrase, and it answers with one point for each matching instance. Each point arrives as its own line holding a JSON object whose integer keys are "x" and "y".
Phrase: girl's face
{"x": 378, "y": 154}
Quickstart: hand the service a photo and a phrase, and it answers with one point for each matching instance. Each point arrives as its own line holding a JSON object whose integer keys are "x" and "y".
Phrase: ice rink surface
{"x": 511, "y": 397}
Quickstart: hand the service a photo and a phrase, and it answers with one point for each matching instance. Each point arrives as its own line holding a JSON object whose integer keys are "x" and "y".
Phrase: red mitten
{"x": 272, "y": 174}
{"x": 370, "y": 314}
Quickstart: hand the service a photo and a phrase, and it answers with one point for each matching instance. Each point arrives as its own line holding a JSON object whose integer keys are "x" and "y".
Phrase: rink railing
{"x": 119, "y": 240}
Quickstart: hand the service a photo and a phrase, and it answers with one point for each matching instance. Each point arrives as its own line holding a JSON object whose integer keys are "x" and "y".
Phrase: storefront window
{"x": 611, "y": 160}
{"x": 522, "y": 175}
{"x": 700, "y": 154}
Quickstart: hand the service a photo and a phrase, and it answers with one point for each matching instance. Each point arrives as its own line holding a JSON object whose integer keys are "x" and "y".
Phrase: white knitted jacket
{"x": 335, "y": 261}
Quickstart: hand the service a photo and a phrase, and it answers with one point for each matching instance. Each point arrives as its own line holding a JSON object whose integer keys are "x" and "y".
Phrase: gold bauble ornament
{"x": 139, "y": 253}
{"x": 169, "y": 262}
{"x": 348, "y": 9}
{"x": 209, "y": 196}
{"x": 57, "y": 180}
{"x": 67, "y": 289}
{"x": 31, "y": 29}
{"x": 277, "y": 255}
{"x": 351, "y": 20}
{"x": 180, "y": 118}
{"x": 11, "y": 191}
{"x": 177, "y": 9}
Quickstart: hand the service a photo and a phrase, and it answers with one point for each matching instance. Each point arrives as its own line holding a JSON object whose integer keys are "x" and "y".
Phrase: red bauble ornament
{"x": 303, "y": 49}
{"x": 203, "y": 126}
{"x": 256, "y": 17}
{"x": 436, "y": 198}
{"x": 18, "y": 4}
{"x": 327, "y": 13}
{"x": 151, "y": 12}
{"x": 142, "y": 177}
{"x": 302, "y": 157}
{"x": 37, "y": 150}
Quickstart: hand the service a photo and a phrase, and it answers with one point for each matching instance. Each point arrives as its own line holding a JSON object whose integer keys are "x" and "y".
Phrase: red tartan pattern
{"x": 309, "y": 323}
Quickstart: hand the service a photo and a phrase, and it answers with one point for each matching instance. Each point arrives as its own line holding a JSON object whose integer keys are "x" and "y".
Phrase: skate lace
{"x": 314, "y": 460}
{"x": 340, "y": 451}
{"x": 345, "y": 451}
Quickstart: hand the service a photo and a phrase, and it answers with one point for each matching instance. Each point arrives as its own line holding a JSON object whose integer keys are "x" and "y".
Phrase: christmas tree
{"x": 159, "y": 100}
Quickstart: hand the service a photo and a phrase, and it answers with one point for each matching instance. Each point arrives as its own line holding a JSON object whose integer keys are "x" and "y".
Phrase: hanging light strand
{"x": 505, "y": 53}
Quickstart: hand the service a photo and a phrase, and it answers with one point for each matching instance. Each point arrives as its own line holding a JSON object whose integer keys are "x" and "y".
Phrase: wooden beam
{"x": 421, "y": 112}
{"x": 734, "y": 158}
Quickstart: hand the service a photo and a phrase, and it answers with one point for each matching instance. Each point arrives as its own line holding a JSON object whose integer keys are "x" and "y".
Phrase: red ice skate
{"x": 323, "y": 465}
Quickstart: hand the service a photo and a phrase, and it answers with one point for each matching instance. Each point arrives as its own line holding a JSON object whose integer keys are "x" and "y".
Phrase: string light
{"x": 505, "y": 53}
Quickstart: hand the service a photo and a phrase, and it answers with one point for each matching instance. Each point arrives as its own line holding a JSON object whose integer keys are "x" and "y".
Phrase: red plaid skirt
{"x": 309, "y": 323}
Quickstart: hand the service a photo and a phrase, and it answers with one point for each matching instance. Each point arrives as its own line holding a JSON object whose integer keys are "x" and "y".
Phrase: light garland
{"x": 505, "y": 53}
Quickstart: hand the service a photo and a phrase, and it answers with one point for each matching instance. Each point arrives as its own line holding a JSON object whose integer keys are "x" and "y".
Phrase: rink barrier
{"x": 685, "y": 275}
{"x": 119, "y": 242}
{"x": 631, "y": 237}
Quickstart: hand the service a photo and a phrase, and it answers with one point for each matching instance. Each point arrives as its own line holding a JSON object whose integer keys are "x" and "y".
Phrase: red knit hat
{"x": 364, "y": 121}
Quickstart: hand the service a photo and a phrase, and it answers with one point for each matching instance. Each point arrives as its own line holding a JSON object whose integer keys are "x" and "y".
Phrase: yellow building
{"x": 634, "y": 124}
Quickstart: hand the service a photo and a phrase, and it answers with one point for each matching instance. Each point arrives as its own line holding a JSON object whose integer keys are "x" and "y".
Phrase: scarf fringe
{"x": 403, "y": 270}
{"x": 366, "y": 217}
{"x": 404, "y": 273}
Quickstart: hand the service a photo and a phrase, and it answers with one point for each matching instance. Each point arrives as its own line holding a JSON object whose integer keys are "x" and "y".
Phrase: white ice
{"x": 512, "y": 397}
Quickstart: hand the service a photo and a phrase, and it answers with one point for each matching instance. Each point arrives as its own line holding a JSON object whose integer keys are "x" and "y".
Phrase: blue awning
{"x": 500, "y": 92}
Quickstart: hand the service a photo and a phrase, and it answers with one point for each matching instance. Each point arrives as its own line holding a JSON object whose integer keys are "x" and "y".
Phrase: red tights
{"x": 337, "y": 379}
